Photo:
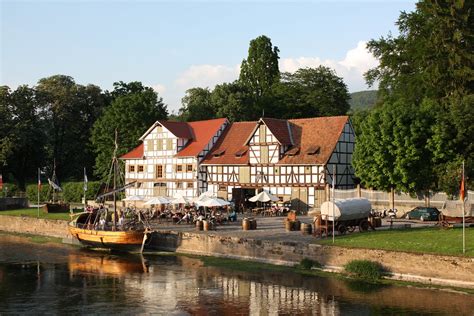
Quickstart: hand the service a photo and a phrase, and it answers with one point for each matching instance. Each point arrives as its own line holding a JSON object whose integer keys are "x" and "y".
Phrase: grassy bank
{"x": 33, "y": 212}
{"x": 257, "y": 267}
{"x": 420, "y": 240}
{"x": 35, "y": 238}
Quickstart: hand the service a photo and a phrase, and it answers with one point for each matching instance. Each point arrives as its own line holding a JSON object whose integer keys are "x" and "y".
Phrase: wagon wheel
{"x": 351, "y": 229}
{"x": 341, "y": 228}
{"x": 364, "y": 226}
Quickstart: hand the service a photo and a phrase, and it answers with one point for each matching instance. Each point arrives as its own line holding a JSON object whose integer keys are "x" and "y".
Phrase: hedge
{"x": 72, "y": 191}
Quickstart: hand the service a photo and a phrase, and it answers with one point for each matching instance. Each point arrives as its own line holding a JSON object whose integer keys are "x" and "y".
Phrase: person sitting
{"x": 232, "y": 216}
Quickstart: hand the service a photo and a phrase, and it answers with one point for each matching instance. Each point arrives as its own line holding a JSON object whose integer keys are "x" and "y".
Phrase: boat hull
{"x": 129, "y": 241}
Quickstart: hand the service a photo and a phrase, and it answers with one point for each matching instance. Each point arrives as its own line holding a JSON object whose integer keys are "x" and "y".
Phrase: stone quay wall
{"x": 425, "y": 268}
{"x": 35, "y": 226}
{"x": 11, "y": 203}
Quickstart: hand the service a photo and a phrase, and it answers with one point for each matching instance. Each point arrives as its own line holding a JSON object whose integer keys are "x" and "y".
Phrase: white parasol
{"x": 264, "y": 196}
{"x": 179, "y": 199}
{"x": 157, "y": 201}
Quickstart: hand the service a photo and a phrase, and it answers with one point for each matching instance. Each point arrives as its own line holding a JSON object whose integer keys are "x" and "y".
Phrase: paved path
{"x": 271, "y": 228}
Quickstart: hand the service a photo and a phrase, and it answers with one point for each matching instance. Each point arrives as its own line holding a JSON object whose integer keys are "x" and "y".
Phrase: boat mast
{"x": 114, "y": 163}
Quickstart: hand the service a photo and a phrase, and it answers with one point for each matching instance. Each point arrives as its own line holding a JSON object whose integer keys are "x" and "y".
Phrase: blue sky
{"x": 174, "y": 46}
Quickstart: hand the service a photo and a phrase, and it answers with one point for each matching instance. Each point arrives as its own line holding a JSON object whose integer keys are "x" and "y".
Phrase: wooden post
{"x": 327, "y": 192}
{"x": 359, "y": 191}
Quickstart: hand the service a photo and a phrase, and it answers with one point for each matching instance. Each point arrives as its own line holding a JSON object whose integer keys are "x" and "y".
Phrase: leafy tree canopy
{"x": 197, "y": 105}
{"x": 311, "y": 92}
{"x": 260, "y": 70}
{"x": 131, "y": 115}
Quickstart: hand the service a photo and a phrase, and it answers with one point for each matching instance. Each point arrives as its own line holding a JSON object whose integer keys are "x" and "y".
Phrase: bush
{"x": 365, "y": 269}
{"x": 307, "y": 264}
{"x": 72, "y": 191}
{"x": 32, "y": 193}
{"x": 9, "y": 190}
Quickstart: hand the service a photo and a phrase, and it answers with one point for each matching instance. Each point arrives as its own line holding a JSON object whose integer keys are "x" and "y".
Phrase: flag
{"x": 1, "y": 182}
{"x": 85, "y": 180}
{"x": 54, "y": 185}
{"x": 462, "y": 191}
{"x": 39, "y": 181}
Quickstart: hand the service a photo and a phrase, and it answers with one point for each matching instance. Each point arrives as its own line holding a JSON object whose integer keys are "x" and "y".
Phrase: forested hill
{"x": 363, "y": 99}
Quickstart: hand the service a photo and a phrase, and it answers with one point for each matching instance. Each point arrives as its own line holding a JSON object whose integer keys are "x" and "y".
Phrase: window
{"x": 189, "y": 168}
{"x": 159, "y": 144}
{"x": 222, "y": 188}
{"x": 179, "y": 168}
{"x": 179, "y": 185}
{"x": 158, "y": 171}
{"x": 190, "y": 185}
{"x": 131, "y": 168}
{"x": 159, "y": 184}
{"x": 140, "y": 168}
{"x": 169, "y": 144}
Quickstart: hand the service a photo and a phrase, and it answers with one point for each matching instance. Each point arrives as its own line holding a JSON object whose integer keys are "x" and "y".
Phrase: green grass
{"x": 37, "y": 239}
{"x": 420, "y": 240}
{"x": 364, "y": 269}
{"x": 33, "y": 212}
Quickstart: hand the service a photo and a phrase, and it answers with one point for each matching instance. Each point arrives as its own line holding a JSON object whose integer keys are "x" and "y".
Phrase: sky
{"x": 176, "y": 45}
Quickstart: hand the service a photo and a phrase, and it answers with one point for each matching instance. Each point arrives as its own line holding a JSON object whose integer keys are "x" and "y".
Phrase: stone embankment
{"x": 271, "y": 244}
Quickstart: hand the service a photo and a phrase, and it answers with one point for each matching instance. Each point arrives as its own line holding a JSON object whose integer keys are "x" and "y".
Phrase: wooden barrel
{"x": 253, "y": 224}
{"x": 246, "y": 224}
{"x": 296, "y": 225}
{"x": 199, "y": 225}
{"x": 206, "y": 225}
{"x": 288, "y": 225}
{"x": 306, "y": 229}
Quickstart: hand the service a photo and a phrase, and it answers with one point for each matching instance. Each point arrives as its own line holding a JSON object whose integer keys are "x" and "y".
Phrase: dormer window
{"x": 219, "y": 152}
{"x": 313, "y": 150}
{"x": 293, "y": 151}
{"x": 241, "y": 152}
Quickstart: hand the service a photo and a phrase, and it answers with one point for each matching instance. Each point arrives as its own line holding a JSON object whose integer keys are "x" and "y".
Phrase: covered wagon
{"x": 345, "y": 215}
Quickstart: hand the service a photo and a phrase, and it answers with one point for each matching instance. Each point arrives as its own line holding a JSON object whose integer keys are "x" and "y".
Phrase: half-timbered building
{"x": 293, "y": 159}
{"x": 167, "y": 161}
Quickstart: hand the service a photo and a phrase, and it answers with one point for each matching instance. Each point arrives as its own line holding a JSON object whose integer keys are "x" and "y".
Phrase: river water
{"x": 52, "y": 278}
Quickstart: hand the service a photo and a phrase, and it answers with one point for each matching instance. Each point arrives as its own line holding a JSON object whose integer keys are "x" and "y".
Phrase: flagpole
{"x": 463, "y": 216}
{"x": 333, "y": 200}
{"x": 39, "y": 181}
{"x": 85, "y": 189}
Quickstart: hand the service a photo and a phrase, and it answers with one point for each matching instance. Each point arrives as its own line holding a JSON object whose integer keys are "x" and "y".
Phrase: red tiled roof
{"x": 232, "y": 142}
{"x": 202, "y": 131}
{"x": 279, "y": 129}
{"x": 135, "y": 153}
{"x": 312, "y": 132}
{"x": 178, "y": 129}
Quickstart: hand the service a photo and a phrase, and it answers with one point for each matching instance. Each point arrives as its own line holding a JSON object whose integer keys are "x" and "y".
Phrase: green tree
{"x": 197, "y": 105}
{"x": 391, "y": 150}
{"x": 22, "y": 137}
{"x": 260, "y": 70}
{"x": 131, "y": 115}
{"x": 233, "y": 101}
{"x": 310, "y": 92}
{"x": 431, "y": 63}
{"x": 69, "y": 110}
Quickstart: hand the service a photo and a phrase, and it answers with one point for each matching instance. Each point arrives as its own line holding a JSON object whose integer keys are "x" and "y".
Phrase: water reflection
{"x": 60, "y": 279}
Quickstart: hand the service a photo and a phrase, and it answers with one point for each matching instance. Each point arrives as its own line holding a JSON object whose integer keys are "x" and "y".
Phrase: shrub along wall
{"x": 72, "y": 191}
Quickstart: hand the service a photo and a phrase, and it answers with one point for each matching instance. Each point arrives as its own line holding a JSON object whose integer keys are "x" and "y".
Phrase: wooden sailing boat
{"x": 99, "y": 228}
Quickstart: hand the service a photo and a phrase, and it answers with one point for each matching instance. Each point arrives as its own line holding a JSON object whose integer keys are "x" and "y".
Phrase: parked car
{"x": 424, "y": 213}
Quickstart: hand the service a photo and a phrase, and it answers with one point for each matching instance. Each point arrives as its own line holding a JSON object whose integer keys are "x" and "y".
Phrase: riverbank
{"x": 272, "y": 244}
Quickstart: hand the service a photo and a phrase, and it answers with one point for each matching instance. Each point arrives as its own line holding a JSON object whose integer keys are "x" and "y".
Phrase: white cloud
{"x": 352, "y": 68}
{"x": 207, "y": 75}
{"x": 159, "y": 88}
